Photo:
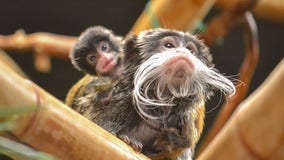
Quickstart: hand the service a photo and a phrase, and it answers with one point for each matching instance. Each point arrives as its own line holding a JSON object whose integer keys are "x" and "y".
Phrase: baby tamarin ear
{"x": 97, "y": 52}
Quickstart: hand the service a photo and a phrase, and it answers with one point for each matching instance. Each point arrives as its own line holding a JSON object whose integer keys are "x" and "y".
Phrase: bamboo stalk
{"x": 55, "y": 128}
{"x": 181, "y": 15}
{"x": 246, "y": 72}
{"x": 44, "y": 45}
{"x": 232, "y": 15}
{"x": 41, "y": 43}
{"x": 271, "y": 10}
{"x": 11, "y": 63}
{"x": 267, "y": 9}
{"x": 218, "y": 27}
{"x": 255, "y": 131}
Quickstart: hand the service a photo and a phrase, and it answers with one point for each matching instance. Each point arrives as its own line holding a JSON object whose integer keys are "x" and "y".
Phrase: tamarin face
{"x": 96, "y": 51}
{"x": 174, "y": 65}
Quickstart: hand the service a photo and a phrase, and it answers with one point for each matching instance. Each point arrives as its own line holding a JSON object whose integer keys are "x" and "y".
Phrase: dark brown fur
{"x": 113, "y": 108}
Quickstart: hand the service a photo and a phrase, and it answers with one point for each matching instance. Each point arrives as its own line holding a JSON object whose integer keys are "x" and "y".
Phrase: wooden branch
{"x": 267, "y": 9}
{"x": 56, "y": 128}
{"x": 9, "y": 62}
{"x": 44, "y": 45}
{"x": 41, "y": 43}
{"x": 181, "y": 15}
{"x": 271, "y": 10}
{"x": 255, "y": 130}
{"x": 219, "y": 26}
{"x": 246, "y": 72}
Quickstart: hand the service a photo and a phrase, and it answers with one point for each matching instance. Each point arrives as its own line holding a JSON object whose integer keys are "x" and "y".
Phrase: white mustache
{"x": 149, "y": 77}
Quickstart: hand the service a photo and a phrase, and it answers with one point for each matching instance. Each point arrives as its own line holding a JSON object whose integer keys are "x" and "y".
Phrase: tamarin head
{"x": 97, "y": 51}
{"x": 173, "y": 65}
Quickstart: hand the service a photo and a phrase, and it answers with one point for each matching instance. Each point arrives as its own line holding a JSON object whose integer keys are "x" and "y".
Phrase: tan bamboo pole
{"x": 267, "y": 9}
{"x": 271, "y": 10}
{"x": 219, "y": 26}
{"x": 5, "y": 58}
{"x": 55, "y": 128}
{"x": 44, "y": 45}
{"x": 41, "y": 43}
{"x": 256, "y": 130}
{"x": 181, "y": 15}
{"x": 246, "y": 72}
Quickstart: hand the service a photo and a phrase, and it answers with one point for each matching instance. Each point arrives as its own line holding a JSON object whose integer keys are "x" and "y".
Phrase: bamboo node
{"x": 20, "y": 38}
{"x": 37, "y": 107}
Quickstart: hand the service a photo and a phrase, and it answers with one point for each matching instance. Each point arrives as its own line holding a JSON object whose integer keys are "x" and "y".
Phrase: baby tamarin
{"x": 98, "y": 53}
{"x": 157, "y": 104}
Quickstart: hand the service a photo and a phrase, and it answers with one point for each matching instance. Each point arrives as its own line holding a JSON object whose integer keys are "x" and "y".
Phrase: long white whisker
{"x": 153, "y": 89}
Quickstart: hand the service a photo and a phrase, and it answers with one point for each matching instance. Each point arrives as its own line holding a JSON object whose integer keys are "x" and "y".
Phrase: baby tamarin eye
{"x": 91, "y": 58}
{"x": 103, "y": 47}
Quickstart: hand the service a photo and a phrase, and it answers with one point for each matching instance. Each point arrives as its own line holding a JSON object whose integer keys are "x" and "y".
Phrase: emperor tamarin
{"x": 157, "y": 104}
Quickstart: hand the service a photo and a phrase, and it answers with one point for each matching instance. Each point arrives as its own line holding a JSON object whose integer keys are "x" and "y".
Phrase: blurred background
{"x": 70, "y": 17}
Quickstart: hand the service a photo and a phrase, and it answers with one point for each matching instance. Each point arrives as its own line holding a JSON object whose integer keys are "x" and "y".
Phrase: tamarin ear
{"x": 130, "y": 47}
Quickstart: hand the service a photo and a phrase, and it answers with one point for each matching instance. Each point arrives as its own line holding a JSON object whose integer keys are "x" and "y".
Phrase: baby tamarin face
{"x": 174, "y": 65}
{"x": 97, "y": 51}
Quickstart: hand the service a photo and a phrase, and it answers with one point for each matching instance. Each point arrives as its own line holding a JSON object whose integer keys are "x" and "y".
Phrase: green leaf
{"x": 9, "y": 111}
{"x": 8, "y": 125}
{"x": 19, "y": 151}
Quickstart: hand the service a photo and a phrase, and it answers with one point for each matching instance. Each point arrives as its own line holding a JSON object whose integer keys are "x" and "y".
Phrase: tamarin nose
{"x": 182, "y": 50}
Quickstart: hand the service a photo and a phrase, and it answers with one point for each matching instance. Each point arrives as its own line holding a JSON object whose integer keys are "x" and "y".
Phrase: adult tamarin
{"x": 98, "y": 53}
{"x": 157, "y": 104}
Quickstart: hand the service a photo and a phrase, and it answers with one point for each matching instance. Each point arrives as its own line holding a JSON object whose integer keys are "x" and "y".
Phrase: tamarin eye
{"x": 92, "y": 58}
{"x": 104, "y": 48}
{"x": 169, "y": 45}
{"x": 192, "y": 47}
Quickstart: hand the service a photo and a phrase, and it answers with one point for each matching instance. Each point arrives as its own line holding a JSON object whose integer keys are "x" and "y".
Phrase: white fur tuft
{"x": 149, "y": 79}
